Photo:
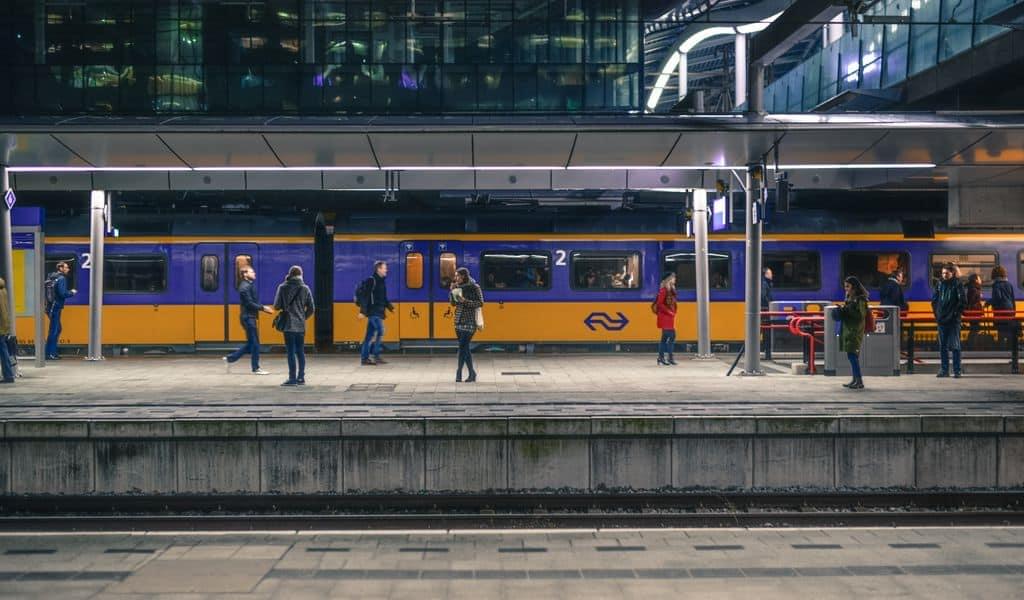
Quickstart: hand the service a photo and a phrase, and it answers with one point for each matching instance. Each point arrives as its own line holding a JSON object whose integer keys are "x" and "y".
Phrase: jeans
{"x": 374, "y": 334}
{"x": 294, "y": 343}
{"x": 854, "y": 364}
{"x": 252, "y": 343}
{"x": 667, "y": 345}
{"x": 54, "y": 334}
{"x": 465, "y": 353}
{"x": 949, "y": 340}
{"x": 5, "y": 360}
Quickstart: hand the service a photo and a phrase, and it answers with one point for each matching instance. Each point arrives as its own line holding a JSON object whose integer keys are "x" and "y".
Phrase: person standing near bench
{"x": 294, "y": 300}
{"x": 57, "y": 293}
{"x": 250, "y": 311}
{"x": 948, "y": 303}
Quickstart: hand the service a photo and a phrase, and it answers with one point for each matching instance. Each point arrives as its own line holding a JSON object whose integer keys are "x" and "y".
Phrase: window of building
{"x": 242, "y": 262}
{"x": 981, "y": 263}
{"x": 71, "y": 259}
{"x": 135, "y": 273}
{"x": 794, "y": 270}
{"x": 684, "y": 265}
{"x": 209, "y": 273}
{"x": 515, "y": 271}
{"x": 413, "y": 270}
{"x": 447, "y": 270}
{"x": 873, "y": 268}
{"x": 594, "y": 270}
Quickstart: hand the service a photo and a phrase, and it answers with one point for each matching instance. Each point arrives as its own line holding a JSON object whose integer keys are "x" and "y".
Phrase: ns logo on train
{"x": 606, "y": 321}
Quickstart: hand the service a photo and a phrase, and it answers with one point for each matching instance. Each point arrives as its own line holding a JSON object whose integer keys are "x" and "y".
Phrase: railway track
{"x": 439, "y": 512}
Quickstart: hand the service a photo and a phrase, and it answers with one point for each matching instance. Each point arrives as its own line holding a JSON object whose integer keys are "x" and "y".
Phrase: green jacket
{"x": 852, "y": 315}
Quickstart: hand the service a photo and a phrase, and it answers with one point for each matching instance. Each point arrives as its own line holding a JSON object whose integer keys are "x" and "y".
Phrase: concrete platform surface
{"x": 648, "y": 564}
{"x": 171, "y": 387}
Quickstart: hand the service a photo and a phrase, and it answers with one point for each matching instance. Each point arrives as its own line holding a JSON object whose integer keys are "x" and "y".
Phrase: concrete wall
{"x": 352, "y": 456}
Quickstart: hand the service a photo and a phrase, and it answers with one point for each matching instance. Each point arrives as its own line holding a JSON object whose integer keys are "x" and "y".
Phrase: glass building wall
{"x": 320, "y": 57}
{"x": 881, "y": 56}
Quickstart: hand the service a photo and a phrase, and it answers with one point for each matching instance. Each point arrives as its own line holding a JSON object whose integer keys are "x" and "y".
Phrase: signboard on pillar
{"x": 10, "y": 199}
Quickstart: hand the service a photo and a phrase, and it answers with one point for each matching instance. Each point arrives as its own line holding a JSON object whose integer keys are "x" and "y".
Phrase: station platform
{"x": 532, "y": 423}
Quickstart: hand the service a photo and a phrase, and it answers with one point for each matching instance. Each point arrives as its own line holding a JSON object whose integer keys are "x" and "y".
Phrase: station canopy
{"x": 849, "y": 151}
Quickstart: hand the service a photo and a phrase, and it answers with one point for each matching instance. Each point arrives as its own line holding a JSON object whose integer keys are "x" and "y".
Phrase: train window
{"x": 684, "y": 265}
{"x": 794, "y": 270}
{"x": 135, "y": 273}
{"x": 593, "y": 270}
{"x": 981, "y": 263}
{"x": 447, "y": 266}
{"x": 71, "y": 259}
{"x": 873, "y": 268}
{"x": 242, "y": 262}
{"x": 515, "y": 270}
{"x": 413, "y": 270}
{"x": 209, "y": 273}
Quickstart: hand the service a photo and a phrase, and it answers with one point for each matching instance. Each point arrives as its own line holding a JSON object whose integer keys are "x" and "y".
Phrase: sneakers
{"x": 300, "y": 381}
{"x": 368, "y": 362}
{"x": 227, "y": 364}
{"x": 260, "y": 372}
{"x": 957, "y": 374}
{"x": 290, "y": 383}
{"x": 943, "y": 374}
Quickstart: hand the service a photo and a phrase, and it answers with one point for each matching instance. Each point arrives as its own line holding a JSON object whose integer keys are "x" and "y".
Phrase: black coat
{"x": 377, "y": 300}
{"x": 248, "y": 299}
{"x": 766, "y": 293}
{"x": 949, "y": 301}
{"x": 1002, "y": 296}
{"x": 892, "y": 294}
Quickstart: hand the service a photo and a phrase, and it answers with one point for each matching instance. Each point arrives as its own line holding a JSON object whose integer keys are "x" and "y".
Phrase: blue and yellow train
{"x": 180, "y": 291}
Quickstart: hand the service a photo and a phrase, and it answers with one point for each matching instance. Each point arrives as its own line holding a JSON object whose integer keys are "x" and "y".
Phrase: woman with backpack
{"x": 467, "y": 298}
{"x": 665, "y": 307}
{"x": 853, "y": 314}
{"x": 294, "y": 302}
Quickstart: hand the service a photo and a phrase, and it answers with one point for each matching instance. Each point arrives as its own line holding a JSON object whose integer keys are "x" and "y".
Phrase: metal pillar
{"x": 752, "y": 307}
{"x": 700, "y": 233}
{"x": 97, "y": 210}
{"x": 40, "y": 309}
{"x": 308, "y": 17}
{"x": 740, "y": 68}
{"x": 684, "y": 82}
{"x": 7, "y": 247}
{"x": 755, "y": 90}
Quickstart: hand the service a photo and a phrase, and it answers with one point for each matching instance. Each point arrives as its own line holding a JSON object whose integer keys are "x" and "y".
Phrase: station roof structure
{"x": 847, "y": 151}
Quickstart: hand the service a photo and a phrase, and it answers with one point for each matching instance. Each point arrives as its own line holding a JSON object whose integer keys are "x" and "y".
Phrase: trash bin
{"x": 880, "y": 352}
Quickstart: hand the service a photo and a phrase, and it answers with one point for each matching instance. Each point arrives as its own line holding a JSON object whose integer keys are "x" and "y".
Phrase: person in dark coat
{"x": 665, "y": 307}
{"x": 974, "y": 307}
{"x": 892, "y": 291}
{"x": 948, "y": 303}
{"x": 60, "y": 295}
{"x": 249, "y": 313}
{"x": 1003, "y": 305}
{"x": 294, "y": 298}
{"x": 852, "y": 315}
{"x": 767, "y": 283}
{"x": 466, "y": 297}
{"x": 373, "y": 307}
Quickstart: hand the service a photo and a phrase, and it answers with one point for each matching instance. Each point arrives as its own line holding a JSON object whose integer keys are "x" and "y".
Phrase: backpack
{"x": 869, "y": 321}
{"x": 50, "y": 290}
{"x": 362, "y": 293}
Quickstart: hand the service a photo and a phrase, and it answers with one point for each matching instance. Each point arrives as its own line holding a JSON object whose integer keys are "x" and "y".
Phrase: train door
{"x": 218, "y": 272}
{"x": 427, "y": 270}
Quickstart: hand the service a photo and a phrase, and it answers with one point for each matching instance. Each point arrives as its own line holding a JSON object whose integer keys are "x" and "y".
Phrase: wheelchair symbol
{"x": 413, "y": 314}
{"x": 448, "y": 313}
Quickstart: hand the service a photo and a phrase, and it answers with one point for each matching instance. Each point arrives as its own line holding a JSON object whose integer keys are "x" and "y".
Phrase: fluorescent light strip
{"x": 855, "y": 166}
{"x": 650, "y": 168}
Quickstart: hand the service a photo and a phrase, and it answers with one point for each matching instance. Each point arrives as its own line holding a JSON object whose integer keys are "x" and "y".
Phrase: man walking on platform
{"x": 57, "y": 293}
{"x": 250, "y": 311}
{"x": 372, "y": 297}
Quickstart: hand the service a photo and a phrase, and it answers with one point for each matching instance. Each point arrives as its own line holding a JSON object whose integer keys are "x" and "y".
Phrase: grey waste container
{"x": 880, "y": 352}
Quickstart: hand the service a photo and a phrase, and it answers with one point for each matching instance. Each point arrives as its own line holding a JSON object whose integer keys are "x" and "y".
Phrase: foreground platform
{"x": 648, "y": 564}
{"x": 565, "y": 424}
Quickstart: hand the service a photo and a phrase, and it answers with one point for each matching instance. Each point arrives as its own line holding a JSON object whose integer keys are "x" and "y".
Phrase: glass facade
{"x": 885, "y": 55}
{"x": 320, "y": 57}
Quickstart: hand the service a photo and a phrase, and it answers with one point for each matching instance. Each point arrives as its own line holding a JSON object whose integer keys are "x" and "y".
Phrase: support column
{"x": 7, "y": 246}
{"x": 755, "y": 90}
{"x": 684, "y": 70}
{"x": 97, "y": 209}
{"x": 752, "y": 307}
{"x": 308, "y": 18}
{"x": 740, "y": 68}
{"x": 700, "y": 234}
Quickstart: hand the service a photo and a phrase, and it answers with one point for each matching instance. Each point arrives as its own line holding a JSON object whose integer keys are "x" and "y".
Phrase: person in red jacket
{"x": 665, "y": 307}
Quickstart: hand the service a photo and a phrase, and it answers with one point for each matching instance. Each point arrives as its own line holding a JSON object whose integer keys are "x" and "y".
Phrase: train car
{"x": 587, "y": 289}
{"x": 177, "y": 293}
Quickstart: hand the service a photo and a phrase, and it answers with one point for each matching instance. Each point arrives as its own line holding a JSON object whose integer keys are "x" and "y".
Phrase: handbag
{"x": 282, "y": 319}
{"x": 480, "y": 317}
